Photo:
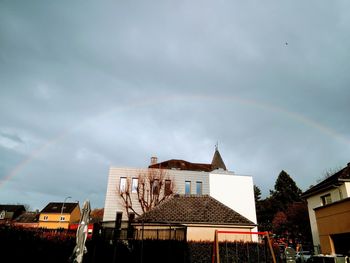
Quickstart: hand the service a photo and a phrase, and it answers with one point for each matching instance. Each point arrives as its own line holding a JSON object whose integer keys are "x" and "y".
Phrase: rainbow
{"x": 159, "y": 100}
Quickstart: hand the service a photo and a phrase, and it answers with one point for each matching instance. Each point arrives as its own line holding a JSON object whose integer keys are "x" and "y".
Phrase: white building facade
{"x": 234, "y": 191}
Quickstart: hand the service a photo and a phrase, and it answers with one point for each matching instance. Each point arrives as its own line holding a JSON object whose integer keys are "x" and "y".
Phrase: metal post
{"x": 64, "y": 201}
{"x": 271, "y": 248}
{"x": 143, "y": 229}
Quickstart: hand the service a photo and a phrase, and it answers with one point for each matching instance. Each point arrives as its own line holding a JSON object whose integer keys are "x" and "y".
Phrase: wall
{"x": 312, "y": 202}
{"x": 196, "y": 232}
{"x": 332, "y": 219}
{"x": 114, "y": 202}
{"x": 234, "y": 191}
{"x": 74, "y": 217}
{"x": 346, "y": 189}
{"x": 315, "y": 201}
{"x": 207, "y": 233}
{"x": 53, "y": 221}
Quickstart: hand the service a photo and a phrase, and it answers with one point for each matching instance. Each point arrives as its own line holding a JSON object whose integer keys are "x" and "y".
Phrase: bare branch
{"x": 154, "y": 187}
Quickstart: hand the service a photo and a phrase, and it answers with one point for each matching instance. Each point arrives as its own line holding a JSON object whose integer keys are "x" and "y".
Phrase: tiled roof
{"x": 335, "y": 179}
{"x": 56, "y": 208}
{"x": 28, "y": 217}
{"x": 216, "y": 163}
{"x": 182, "y": 165}
{"x": 194, "y": 209}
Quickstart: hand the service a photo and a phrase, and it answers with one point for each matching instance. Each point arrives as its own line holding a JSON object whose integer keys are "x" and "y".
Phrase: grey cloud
{"x": 11, "y": 136}
{"x": 87, "y": 85}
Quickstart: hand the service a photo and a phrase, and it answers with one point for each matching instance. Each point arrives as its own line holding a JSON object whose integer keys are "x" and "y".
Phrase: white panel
{"x": 234, "y": 191}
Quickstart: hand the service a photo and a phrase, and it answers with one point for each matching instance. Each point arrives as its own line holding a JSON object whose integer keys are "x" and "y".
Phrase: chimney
{"x": 154, "y": 160}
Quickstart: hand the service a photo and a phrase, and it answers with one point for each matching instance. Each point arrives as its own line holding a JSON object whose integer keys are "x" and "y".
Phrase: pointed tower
{"x": 217, "y": 161}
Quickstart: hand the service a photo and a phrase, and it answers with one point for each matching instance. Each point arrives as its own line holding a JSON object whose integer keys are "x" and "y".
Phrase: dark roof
{"x": 28, "y": 217}
{"x": 334, "y": 180}
{"x": 216, "y": 163}
{"x": 193, "y": 209}
{"x": 182, "y": 165}
{"x": 56, "y": 208}
{"x": 12, "y": 208}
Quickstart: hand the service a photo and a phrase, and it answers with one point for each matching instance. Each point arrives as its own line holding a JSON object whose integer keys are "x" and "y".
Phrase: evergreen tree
{"x": 257, "y": 194}
{"x": 265, "y": 211}
{"x": 286, "y": 192}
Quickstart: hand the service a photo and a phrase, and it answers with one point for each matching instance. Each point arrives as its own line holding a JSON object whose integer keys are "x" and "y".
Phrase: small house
{"x": 10, "y": 212}
{"x": 329, "y": 212}
{"x": 195, "y": 216}
{"x": 59, "y": 215}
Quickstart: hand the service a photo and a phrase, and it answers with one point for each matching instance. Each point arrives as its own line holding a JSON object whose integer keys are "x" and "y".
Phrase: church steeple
{"x": 217, "y": 162}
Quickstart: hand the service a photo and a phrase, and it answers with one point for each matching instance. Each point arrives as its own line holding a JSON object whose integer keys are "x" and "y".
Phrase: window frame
{"x": 155, "y": 187}
{"x": 326, "y": 199}
{"x": 122, "y": 184}
{"x": 167, "y": 187}
{"x": 200, "y": 185}
{"x": 134, "y": 185}
{"x": 187, "y": 187}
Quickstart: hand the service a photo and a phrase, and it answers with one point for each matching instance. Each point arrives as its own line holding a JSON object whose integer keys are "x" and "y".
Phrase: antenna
{"x": 217, "y": 145}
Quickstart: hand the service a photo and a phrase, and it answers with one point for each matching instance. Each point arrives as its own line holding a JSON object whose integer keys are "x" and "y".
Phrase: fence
{"x": 169, "y": 233}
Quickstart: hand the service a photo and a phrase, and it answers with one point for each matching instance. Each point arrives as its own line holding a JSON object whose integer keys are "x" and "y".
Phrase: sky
{"x": 86, "y": 85}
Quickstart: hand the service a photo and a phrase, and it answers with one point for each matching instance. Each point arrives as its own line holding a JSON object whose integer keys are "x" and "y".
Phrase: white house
{"x": 329, "y": 212}
{"x": 233, "y": 190}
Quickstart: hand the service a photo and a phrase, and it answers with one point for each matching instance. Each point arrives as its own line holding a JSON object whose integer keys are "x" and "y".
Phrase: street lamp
{"x": 62, "y": 209}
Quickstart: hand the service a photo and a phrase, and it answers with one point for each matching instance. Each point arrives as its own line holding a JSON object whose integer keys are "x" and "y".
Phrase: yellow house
{"x": 59, "y": 215}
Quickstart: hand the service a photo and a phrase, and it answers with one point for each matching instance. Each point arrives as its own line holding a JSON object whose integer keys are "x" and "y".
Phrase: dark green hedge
{"x": 19, "y": 245}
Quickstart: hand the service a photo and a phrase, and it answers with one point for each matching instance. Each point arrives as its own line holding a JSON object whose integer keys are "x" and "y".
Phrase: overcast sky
{"x": 85, "y": 85}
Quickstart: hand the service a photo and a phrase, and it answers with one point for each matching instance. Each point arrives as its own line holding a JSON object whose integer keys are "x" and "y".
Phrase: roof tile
{"x": 193, "y": 209}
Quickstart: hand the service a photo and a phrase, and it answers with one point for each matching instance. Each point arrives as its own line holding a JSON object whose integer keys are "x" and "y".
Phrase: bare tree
{"x": 328, "y": 173}
{"x": 153, "y": 187}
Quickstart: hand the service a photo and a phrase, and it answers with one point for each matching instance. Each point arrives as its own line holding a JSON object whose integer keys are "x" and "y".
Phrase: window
{"x": 46, "y": 218}
{"x": 135, "y": 183}
{"x": 199, "y": 188}
{"x": 167, "y": 188}
{"x": 187, "y": 187}
{"x": 155, "y": 187}
{"x": 326, "y": 199}
{"x": 62, "y": 218}
{"x": 122, "y": 185}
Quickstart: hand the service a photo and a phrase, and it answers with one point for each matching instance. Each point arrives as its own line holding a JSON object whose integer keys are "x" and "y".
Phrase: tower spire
{"x": 217, "y": 162}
